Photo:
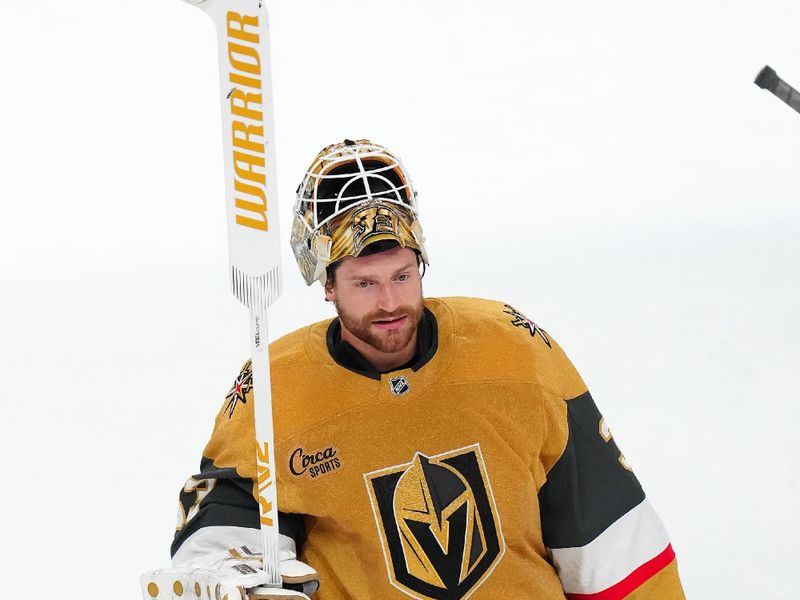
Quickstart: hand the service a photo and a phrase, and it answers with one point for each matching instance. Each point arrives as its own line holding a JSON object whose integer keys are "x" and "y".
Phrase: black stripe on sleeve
{"x": 229, "y": 503}
{"x": 588, "y": 488}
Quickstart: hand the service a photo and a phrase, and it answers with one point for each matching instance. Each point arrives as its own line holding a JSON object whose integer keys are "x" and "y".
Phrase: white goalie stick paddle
{"x": 768, "y": 79}
{"x": 248, "y": 135}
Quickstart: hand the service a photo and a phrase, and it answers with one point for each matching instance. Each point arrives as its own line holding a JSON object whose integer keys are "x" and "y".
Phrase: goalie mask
{"x": 353, "y": 195}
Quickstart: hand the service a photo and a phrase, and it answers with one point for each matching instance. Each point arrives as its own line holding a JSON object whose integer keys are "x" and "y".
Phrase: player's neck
{"x": 382, "y": 362}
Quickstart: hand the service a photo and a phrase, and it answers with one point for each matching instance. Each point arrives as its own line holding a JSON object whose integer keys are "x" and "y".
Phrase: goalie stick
{"x": 768, "y": 79}
{"x": 248, "y": 135}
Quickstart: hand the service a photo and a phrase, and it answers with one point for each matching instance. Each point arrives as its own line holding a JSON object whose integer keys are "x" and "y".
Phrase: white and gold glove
{"x": 233, "y": 574}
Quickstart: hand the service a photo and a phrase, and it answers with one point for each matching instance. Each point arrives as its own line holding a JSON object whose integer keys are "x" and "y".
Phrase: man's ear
{"x": 330, "y": 295}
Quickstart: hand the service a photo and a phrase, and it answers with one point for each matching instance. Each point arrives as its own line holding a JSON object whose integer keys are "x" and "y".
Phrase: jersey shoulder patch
{"x": 241, "y": 390}
{"x": 492, "y": 316}
{"x": 520, "y": 320}
{"x": 493, "y": 340}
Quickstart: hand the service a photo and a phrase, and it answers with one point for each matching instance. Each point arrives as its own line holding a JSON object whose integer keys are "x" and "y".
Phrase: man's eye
{"x": 362, "y": 284}
{"x": 402, "y": 277}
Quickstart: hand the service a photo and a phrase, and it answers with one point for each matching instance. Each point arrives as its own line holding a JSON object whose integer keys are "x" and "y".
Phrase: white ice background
{"x": 607, "y": 167}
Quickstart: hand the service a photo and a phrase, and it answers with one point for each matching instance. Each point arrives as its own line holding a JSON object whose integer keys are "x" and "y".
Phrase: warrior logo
{"x": 438, "y": 524}
{"x": 521, "y": 320}
{"x": 399, "y": 385}
{"x": 242, "y": 385}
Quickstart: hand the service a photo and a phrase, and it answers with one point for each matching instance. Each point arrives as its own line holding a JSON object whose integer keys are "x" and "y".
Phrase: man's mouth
{"x": 389, "y": 324}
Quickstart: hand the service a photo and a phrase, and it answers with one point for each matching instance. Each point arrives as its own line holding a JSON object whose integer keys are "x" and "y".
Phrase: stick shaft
{"x": 769, "y": 80}
{"x": 265, "y": 440}
{"x": 253, "y": 233}
{"x": 252, "y": 215}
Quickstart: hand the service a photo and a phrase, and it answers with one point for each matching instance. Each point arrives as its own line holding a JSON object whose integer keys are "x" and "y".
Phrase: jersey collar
{"x": 348, "y": 357}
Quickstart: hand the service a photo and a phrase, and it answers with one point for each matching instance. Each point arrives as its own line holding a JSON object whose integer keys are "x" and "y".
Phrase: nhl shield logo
{"x": 399, "y": 385}
{"x": 438, "y": 523}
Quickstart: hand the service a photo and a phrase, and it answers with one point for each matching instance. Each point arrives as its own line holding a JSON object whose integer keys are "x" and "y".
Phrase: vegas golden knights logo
{"x": 438, "y": 523}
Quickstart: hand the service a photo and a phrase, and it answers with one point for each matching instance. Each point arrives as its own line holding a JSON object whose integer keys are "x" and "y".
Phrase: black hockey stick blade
{"x": 768, "y": 79}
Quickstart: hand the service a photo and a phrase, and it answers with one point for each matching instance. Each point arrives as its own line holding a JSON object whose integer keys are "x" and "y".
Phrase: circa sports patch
{"x": 314, "y": 463}
{"x": 437, "y": 523}
{"x": 520, "y": 320}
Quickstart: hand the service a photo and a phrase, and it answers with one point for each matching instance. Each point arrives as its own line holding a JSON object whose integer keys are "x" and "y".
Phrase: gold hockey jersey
{"x": 487, "y": 472}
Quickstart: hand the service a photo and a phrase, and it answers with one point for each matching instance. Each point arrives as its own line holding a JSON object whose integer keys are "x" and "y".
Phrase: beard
{"x": 387, "y": 342}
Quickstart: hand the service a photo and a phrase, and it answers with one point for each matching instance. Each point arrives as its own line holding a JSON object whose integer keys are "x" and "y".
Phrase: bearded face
{"x": 367, "y": 327}
{"x": 379, "y": 301}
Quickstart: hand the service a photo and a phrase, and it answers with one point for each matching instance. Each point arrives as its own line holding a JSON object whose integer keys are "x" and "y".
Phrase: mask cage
{"x": 343, "y": 175}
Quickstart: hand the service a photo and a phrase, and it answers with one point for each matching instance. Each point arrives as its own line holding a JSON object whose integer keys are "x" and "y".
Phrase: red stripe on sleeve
{"x": 632, "y": 581}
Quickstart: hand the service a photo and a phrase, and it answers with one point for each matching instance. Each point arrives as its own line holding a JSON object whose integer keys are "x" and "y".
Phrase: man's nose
{"x": 387, "y": 297}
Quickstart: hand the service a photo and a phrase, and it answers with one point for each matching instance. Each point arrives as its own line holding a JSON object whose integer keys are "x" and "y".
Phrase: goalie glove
{"x": 233, "y": 574}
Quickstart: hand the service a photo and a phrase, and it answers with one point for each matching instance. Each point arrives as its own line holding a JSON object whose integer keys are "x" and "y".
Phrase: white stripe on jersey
{"x": 208, "y": 540}
{"x": 632, "y": 540}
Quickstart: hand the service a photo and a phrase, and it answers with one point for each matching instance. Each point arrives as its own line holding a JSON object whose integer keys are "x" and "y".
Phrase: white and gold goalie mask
{"x": 354, "y": 194}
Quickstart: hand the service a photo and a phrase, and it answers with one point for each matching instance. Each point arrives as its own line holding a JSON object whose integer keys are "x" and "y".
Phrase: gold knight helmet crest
{"x": 438, "y": 523}
{"x": 425, "y": 486}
